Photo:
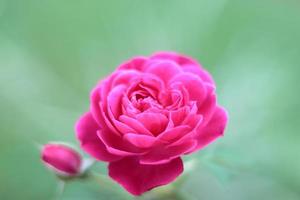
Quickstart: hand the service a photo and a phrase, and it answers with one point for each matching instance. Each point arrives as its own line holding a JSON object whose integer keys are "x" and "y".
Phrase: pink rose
{"x": 62, "y": 159}
{"x": 146, "y": 115}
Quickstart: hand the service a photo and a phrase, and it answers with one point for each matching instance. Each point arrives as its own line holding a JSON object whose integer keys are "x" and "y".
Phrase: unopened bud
{"x": 62, "y": 159}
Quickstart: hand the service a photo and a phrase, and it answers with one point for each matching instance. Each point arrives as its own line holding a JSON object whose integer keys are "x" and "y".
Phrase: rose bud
{"x": 149, "y": 113}
{"x": 62, "y": 159}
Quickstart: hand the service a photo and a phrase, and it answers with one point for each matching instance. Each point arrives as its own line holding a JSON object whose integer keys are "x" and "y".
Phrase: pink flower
{"x": 146, "y": 115}
{"x": 62, "y": 159}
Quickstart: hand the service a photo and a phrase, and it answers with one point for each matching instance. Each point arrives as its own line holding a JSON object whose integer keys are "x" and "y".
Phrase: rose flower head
{"x": 147, "y": 114}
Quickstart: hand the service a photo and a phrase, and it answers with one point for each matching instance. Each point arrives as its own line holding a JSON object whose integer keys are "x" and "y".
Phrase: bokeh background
{"x": 52, "y": 52}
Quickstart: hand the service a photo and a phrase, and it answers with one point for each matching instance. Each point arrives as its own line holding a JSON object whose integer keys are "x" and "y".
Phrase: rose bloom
{"x": 146, "y": 115}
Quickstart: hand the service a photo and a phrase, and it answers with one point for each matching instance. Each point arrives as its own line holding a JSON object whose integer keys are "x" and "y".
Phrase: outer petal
{"x": 114, "y": 100}
{"x": 178, "y": 58}
{"x": 136, "y": 63}
{"x": 202, "y": 73}
{"x": 97, "y": 108}
{"x": 125, "y": 77}
{"x": 86, "y": 129}
{"x": 207, "y": 108}
{"x": 94, "y": 107}
{"x": 213, "y": 129}
{"x": 137, "y": 178}
{"x": 163, "y": 69}
{"x": 187, "y": 63}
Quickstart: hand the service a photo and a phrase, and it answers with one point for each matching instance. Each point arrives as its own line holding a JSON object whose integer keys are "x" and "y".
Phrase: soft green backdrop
{"x": 52, "y": 52}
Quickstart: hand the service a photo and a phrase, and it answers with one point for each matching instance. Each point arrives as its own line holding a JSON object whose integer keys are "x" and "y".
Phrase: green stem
{"x": 60, "y": 189}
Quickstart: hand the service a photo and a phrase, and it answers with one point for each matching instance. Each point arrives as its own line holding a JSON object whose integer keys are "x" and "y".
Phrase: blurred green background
{"x": 52, "y": 52}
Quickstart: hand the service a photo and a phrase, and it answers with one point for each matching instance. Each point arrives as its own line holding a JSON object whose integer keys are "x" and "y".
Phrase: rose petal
{"x": 184, "y": 95}
{"x": 154, "y": 122}
{"x": 178, "y": 58}
{"x": 152, "y": 81}
{"x": 107, "y": 122}
{"x": 165, "y": 154}
{"x": 86, "y": 129}
{"x": 98, "y": 111}
{"x": 117, "y": 145}
{"x": 177, "y": 116}
{"x": 117, "y": 125}
{"x": 206, "y": 109}
{"x": 213, "y": 129}
{"x": 174, "y": 133}
{"x": 125, "y": 77}
{"x": 140, "y": 141}
{"x": 94, "y": 107}
{"x": 135, "y": 124}
{"x": 163, "y": 69}
{"x": 187, "y": 63}
{"x": 193, "y": 120}
{"x": 123, "y": 128}
{"x": 137, "y": 178}
{"x": 114, "y": 100}
{"x": 136, "y": 63}
{"x": 193, "y": 84}
{"x": 202, "y": 73}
